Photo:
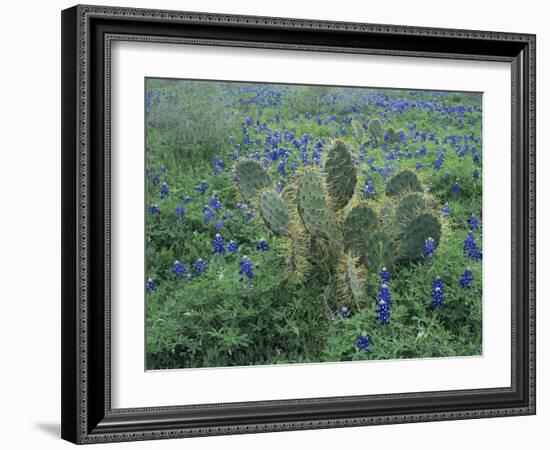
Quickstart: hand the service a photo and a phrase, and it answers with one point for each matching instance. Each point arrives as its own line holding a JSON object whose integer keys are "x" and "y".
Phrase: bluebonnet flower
{"x": 447, "y": 177}
{"x": 215, "y": 203}
{"x": 369, "y": 189}
{"x": 200, "y": 265}
{"x": 345, "y": 312}
{"x": 155, "y": 178}
{"x": 446, "y": 210}
{"x": 218, "y": 165}
{"x": 262, "y": 245}
{"x": 438, "y": 162}
{"x": 470, "y": 247}
{"x": 180, "y": 211}
{"x": 218, "y": 244}
{"x": 151, "y": 286}
{"x": 178, "y": 268}
{"x": 202, "y": 187}
{"x": 242, "y": 207}
{"x": 429, "y": 249}
{"x": 466, "y": 279}
{"x": 419, "y": 165}
{"x": 186, "y": 200}
{"x": 232, "y": 246}
{"x": 208, "y": 213}
{"x": 385, "y": 275}
{"x": 249, "y": 215}
{"x": 383, "y": 305}
{"x": 363, "y": 342}
{"x": 163, "y": 169}
{"x": 164, "y": 190}
{"x": 218, "y": 224}
{"x": 456, "y": 187}
{"x": 246, "y": 268}
{"x": 437, "y": 292}
{"x": 473, "y": 222}
{"x": 475, "y": 176}
{"x": 154, "y": 209}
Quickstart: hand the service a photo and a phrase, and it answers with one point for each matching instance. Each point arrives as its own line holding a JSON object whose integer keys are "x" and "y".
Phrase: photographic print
{"x": 310, "y": 224}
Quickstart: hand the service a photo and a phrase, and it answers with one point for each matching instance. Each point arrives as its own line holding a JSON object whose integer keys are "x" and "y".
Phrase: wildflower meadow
{"x": 299, "y": 224}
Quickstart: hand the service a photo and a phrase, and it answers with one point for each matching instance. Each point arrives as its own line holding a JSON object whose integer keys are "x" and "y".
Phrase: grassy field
{"x": 220, "y": 290}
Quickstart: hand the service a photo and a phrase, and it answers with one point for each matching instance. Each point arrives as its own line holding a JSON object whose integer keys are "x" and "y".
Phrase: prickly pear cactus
{"x": 358, "y": 132}
{"x": 312, "y": 204}
{"x": 252, "y": 179}
{"x": 341, "y": 175}
{"x": 351, "y": 279}
{"x": 419, "y": 229}
{"x": 380, "y": 250}
{"x": 275, "y": 213}
{"x": 403, "y": 182}
{"x": 375, "y": 129}
{"x": 409, "y": 206}
{"x": 359, "y": 223}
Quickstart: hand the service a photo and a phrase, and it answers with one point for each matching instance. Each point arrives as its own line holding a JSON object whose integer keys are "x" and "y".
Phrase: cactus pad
{"x": 312, "y": 204}
{"x": 340, "y": 174}
{"x": 251, "y": 179}
{"x": 351, "y": 280}
{"x": 380, "y": 251}
{"x": 275, "y": 213}
{"x": 357, "y": 132}
{"x": 375, "y": 129}
{"x": 419, "y": 229}
{"x": 405, "y": 181}
{"x": 408, "y": 208}
{"x": 360, "y": 222}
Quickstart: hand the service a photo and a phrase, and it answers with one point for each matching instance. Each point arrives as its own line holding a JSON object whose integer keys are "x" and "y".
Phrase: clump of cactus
{"x": 327, "y": 226}
{"x": 390, "y": 135}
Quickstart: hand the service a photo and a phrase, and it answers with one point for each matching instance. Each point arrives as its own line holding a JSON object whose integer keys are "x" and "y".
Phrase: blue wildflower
{"x": 345, "y": 312}
{"x": 470, "y": 247}
{"x": 456, "y": 187}
{"x": 466, "y": 279}
{"x": 233, "y": 246}
{"x": 180, "y": 211}
{"x": 446, "y": 210}
{"x": 385, "y": 275}
{"x": 178, "y": 268}
{"x": 208, "y": 213}
{"x": 151, "y": 286}
{"x": 363, "y": 342}
{"x": 202, "y": 187}
{"x": 475, "y": 175}
{"x": 218, "y": 165}
{"x": 200, "y": 265}
{"x": 215, "y": 203}
{"x": 164, "y": 190}
{"x": 369, "y": 189}
{"x": 154, "y": 209}
{"x": 429, "y": 249}
{"x": 473, "y": 222}
{"x": 186, "y": 200}
{"x": 218, "y": 244}
{"x": 218, "y": 224}
{"x": 383, "y": 305}
{"x": 262, "y": 245}
{"x": 246, "y": 268}
{"x": 437, "y": 292}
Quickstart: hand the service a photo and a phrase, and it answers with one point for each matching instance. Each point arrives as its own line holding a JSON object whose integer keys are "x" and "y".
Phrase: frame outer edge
{"x": 75, "y": 185}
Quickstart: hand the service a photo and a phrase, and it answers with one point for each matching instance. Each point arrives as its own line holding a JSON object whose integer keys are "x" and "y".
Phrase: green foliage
{"x": 375, "y": 129}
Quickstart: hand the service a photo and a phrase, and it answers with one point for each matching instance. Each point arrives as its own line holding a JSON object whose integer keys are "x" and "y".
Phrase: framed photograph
{"x": 279, "y": 224}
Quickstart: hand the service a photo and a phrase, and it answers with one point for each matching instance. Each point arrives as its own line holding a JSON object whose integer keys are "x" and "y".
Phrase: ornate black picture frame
{"x": 87, "y": 34}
